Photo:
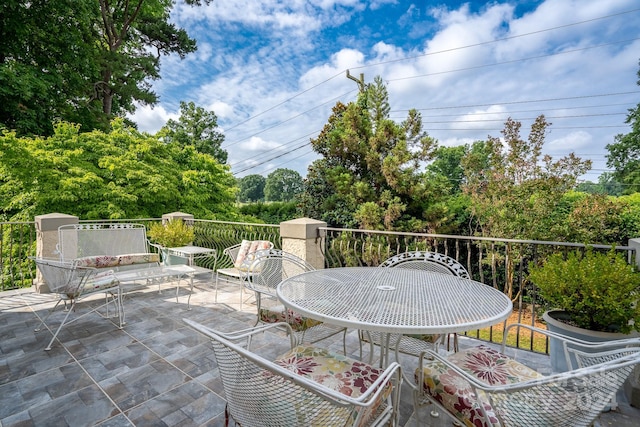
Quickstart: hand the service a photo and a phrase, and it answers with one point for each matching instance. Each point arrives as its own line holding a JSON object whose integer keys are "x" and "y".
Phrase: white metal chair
{"x": 73, "y": 283}
{"x": 482, "y": 386}
{"x": 241, "y": 256}
{"x": 269, "y": 268}
{"x": 427, "y": 261}
{"x": 306, "y": 386}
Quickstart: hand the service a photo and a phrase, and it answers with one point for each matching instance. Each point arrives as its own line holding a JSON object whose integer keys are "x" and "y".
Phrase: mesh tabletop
{"x": 394, "y": 300}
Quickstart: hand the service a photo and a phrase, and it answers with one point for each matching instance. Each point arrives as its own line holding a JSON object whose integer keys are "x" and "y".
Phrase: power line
{"x": 289, "y": 119}
{"x": 511, "y": 61}
{"x": 527, "y": 118}
{"x": 525, "y": 102}
{"x": 283, "y": 145}
{"x": 269, "y": 159}
{"x": 495, "y": 40}
{"x": 428, "y": 54}
{"x": 484, "y": 113}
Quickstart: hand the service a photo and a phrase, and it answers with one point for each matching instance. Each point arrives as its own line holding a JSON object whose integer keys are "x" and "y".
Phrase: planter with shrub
{"x": 593, "y": 296}
{"x": 171, "y": 234}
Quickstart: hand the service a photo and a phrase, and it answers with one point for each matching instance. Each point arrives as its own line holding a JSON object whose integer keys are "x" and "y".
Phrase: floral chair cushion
{"x": 101, "y": 281}
{"x": 97, "y": 261}
{"x": 278, "y": 313}
{"x": 141, "y": 258}
{"x": 455, "y": 393}
{"x": 105, "y": 261}
{"x": 337, "y": 372}
{"x": 247, "y": 252}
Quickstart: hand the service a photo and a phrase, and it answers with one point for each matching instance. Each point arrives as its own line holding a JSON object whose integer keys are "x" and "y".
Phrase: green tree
{"x": 282, "y": 185}
{"x": 134, "y": 35}
{"x": 514, "y": 194}
{"x": 251, "y": 188}
{"x": 624, "y": 154}
{"x": 82, "y": 62}
{"x": 607, "y": 184}
{"x": 48, "y": 63}
{"x": 368, "y": 159}
{"x": 196, "y": 127}
{"x": 119, "y": 174}
{"x": 447, "y": 163}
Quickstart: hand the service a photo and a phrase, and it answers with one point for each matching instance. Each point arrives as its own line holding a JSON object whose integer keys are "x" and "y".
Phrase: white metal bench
{"x": 123, "y": 248}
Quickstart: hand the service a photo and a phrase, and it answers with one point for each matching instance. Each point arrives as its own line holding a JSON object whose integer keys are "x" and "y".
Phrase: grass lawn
{"x": 520, "y": 340}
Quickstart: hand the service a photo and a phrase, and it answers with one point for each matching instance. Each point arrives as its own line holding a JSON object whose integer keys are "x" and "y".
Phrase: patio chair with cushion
{"x": 427, "y": 261}
{"x": 241, "y": 256}
{"x": 73, "y": 283}
{"x": 306, "y": 386}
{"x": 268, "y": 269}
{"x": 483, "y": 387}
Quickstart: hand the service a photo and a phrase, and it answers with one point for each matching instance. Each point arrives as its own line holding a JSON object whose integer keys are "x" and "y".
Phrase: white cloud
{"x": 272, "y": 70}
{"x": 151, "y": 119}
{"x": 572, "y": 142}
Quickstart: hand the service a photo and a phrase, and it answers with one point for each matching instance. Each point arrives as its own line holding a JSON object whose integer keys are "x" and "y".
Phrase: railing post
{"x": 47, "y": 241}
{"x": 632, "y": 385}
{"x": 635, "y": 243}
{"x": 300, "y": 238}
{"x": 187, "y": 218}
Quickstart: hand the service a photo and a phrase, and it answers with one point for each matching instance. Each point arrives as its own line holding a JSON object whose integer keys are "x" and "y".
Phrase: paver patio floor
{"x": 156, "y": 371}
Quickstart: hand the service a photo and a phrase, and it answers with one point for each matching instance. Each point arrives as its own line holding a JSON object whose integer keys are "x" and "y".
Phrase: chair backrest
{"x": 63, "y": 277}
{"x": 261, "y": 393}
{"x": 81, "y": 240}
{"x": 570, "y": 398}
{"x": 270, "y": 267}
{"x": 428, "y": 261}
{"x": 242, "y": 254}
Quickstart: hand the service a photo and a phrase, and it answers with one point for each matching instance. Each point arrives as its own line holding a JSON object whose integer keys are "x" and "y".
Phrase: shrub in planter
{"x": 173, "y": 233}
{"x": 598, "y": 291}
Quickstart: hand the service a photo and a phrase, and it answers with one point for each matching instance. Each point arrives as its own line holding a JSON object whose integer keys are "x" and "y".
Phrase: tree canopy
{"x": 624, "y": 154}
{"x": 282, "y": 185}
{"x": 196, "y": 127}
{"x": 251, "y": 188}
{"x": 369, "y": 174}
{"x": 82, "y": 62}
{"x": 119, "y": 174}
{"x": 515, "y": 190}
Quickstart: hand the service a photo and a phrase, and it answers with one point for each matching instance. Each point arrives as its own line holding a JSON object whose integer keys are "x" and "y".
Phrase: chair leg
{"x": 38, "y": 328}
{"x": 73, "y": 304}
{"x": 216, "y": 287}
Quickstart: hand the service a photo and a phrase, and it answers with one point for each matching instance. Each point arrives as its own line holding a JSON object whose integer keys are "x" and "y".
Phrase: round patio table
{"x": 394, "y": 300}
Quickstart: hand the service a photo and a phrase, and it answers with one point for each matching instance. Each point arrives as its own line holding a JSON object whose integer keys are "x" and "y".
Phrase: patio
{"x": 156, "y": 371}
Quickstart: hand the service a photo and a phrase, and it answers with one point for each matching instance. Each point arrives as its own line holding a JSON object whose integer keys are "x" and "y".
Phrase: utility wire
{"x": 495, "y": 40}
{"x": 477, "y": 67}
{"x": 428, "y": 54}
{"x": 524, "y": 102}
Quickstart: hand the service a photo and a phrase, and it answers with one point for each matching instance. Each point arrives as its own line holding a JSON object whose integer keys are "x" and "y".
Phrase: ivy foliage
{"x": 109, "y": 175}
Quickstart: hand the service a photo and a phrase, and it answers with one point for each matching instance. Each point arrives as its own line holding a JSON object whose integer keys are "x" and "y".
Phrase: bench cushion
{"x": 337, "y": 372}
{"x": 105, "y": 261}
{"x": 142, "y": 258}
{"x": 455, "y": 393}
{"x": 97, "y": 261}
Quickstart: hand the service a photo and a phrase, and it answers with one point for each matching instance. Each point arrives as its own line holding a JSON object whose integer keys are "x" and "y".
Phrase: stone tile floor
{"x": 154, "y": 372}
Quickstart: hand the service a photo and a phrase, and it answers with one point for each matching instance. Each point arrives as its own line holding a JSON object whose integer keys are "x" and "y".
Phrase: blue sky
{"x": 272, "y": 70}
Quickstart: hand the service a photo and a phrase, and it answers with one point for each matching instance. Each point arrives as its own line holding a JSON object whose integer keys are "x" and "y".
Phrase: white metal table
{"x": 163, "y": 272}
{"x": 394, "y": 301}
{"x": 193, "y": 252}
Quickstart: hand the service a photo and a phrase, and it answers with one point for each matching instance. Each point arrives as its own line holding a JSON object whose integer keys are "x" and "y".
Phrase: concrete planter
{"x": 555, "y": 324}
{"x": 558, "y": 359}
